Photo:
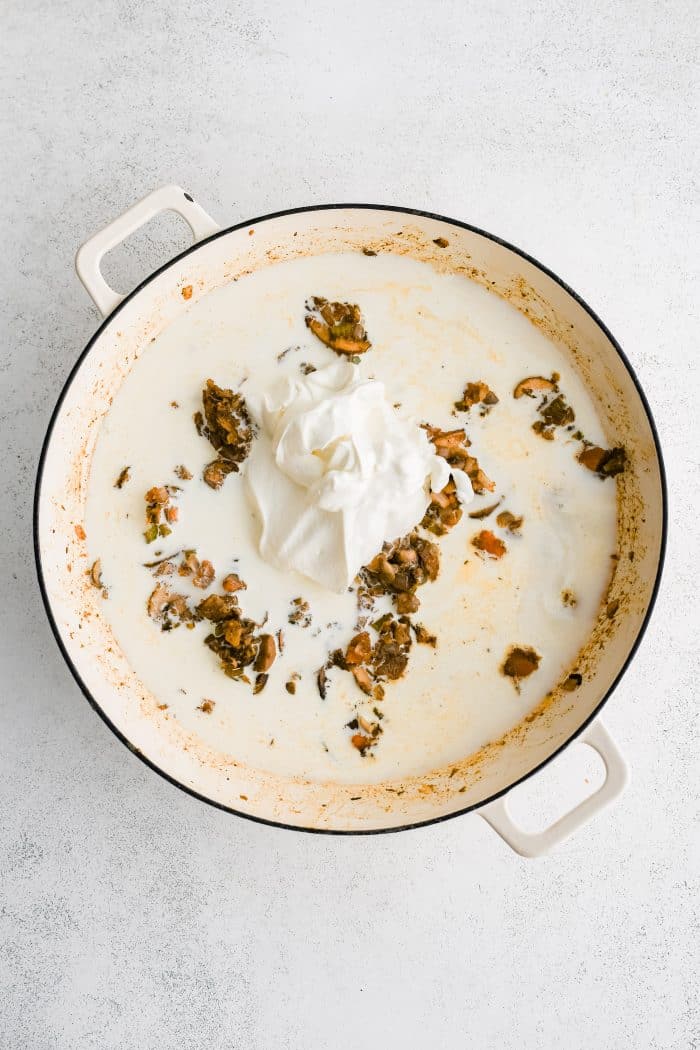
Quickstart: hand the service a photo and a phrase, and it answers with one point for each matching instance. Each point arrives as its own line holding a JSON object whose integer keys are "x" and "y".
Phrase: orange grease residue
{"x": 187, "y": 291}
{"x": 490, "y": 544}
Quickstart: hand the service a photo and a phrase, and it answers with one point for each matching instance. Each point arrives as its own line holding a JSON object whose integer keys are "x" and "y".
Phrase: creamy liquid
{"x": 431, "y": 334}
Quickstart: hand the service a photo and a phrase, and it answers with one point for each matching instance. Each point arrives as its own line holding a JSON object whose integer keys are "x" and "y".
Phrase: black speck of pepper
{"x": 190, "y": 199}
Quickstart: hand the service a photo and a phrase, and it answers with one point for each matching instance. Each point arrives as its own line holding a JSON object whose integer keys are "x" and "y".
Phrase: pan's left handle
{"x": 536, "y": 844}
{"x": 90, "y": 254}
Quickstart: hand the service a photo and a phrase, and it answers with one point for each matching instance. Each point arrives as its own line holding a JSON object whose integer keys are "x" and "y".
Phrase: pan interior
{"x": 320, "y": 800}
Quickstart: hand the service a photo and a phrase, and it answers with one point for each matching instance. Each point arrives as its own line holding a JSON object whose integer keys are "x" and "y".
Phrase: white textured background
{"x": 133, "y": 916}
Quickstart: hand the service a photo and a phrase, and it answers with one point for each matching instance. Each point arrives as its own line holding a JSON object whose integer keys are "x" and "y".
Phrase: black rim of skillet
{"x": 300, "y": 211}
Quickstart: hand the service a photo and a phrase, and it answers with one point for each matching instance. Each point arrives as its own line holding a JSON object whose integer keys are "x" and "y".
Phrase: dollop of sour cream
{"x": 336, "y": 472}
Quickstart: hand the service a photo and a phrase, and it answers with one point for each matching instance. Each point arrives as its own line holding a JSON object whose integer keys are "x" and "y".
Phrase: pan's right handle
{"x": 535, "y": 844}
{"x": 90, "y": 254}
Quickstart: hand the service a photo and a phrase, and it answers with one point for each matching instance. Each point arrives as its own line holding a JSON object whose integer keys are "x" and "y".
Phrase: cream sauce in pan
{"x": 431, "y": 334}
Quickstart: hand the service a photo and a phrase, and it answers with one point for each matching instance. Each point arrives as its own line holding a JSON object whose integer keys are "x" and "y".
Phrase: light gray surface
{"x": 132, "y": 915}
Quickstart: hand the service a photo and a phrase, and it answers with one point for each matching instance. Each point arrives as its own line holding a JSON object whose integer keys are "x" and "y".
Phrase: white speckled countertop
{"x": 133, "y": 916}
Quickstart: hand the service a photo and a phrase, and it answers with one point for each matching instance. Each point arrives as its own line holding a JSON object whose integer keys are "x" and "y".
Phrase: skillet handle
{"x": 89, "y": 256}
{"x": 536, "y": 844}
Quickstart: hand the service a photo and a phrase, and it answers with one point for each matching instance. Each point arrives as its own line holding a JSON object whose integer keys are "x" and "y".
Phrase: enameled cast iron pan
{"x": 130, "y": 322}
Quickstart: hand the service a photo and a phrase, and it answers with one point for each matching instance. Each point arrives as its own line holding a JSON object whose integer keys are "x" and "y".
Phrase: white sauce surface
{"x": 431, "y": 334}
